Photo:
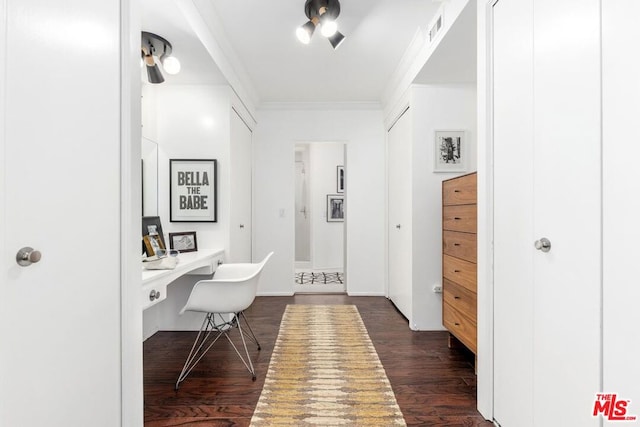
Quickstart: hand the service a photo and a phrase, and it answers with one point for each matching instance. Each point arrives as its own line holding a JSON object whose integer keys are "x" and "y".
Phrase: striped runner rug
{"x": 324, "y": 371}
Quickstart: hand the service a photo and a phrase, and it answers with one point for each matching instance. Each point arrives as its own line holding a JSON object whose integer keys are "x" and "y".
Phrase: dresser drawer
{"x": 460, "y": 191}
{"x": 460, "y": 298}
{"x": 462, "y": 272}
{"x": 460, "y": 245}
{"x": 460, "y": 218}
{"x": 461, "y": 326}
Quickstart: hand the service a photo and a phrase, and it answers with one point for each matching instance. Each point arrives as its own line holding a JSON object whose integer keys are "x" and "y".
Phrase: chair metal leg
{"x": 203, "y": 343}
{"x": 250, "y": 333}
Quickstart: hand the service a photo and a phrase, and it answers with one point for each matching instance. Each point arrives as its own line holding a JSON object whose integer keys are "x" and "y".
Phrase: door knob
{"x": 27, "y": 256}
{"x": 241, "y": 225}
{"x": 398, "y": 226}
{"x": 543, "y": 245}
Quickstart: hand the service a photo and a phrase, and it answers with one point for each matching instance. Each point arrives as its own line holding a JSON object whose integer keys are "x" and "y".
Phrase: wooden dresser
{"x": 459, "y": 257}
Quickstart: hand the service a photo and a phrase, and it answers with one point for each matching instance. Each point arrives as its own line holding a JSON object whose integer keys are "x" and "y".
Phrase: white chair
{"x": 223, "y": 299}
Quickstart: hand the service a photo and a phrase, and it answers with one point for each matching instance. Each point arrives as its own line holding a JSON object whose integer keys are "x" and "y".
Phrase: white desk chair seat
{"x": 223, "y": 300}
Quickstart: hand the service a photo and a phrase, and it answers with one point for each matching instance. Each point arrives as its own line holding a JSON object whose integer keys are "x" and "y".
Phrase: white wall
{"x": 188, "y": 122}
{"x": 437, "y": 107}
{"x": 328, "y": 237}
{"x": 274, "y": 140}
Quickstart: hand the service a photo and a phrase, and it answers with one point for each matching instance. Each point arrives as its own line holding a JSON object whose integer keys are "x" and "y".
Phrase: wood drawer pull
{"x": 456, "y": 244}
{"x": 456, "y": 271}
{"x": 457, "y": 324}
{"x": 456, "y": 191}
{"x": 457, "y": 218}
{"x": 456, "y": 297}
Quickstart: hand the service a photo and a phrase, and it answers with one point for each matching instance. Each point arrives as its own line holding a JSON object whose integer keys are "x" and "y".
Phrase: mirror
{"x": 149, "y": 177}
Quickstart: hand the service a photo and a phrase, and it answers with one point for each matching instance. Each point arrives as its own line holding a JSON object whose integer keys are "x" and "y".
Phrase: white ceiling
{"x": 261, "y": 35}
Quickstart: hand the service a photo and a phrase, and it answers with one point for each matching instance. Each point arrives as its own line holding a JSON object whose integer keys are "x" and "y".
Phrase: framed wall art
{"x": 184, "y": 241}
{"x": 335, "y": 208}
{"x": 450, "y": 151}
{"x": 193, "y": 190}
{"x": 340, "y": 179}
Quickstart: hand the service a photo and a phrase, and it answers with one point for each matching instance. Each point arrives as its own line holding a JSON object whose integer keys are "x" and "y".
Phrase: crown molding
{"x": 321, "y": 106}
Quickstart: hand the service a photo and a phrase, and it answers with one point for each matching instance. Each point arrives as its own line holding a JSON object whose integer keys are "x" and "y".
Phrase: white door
{"x": 547, "y": 185}
{"x": 302, "y": 207}
{"x": 241, "y": 191}
{"x": 60, "y": 359}
{"x": 399, "y": 226}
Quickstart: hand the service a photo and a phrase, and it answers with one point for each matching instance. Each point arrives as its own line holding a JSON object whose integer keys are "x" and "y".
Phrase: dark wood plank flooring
{"x": 434, "y": 385}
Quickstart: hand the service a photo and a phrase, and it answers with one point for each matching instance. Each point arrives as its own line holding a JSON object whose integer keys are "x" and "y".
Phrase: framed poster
{"x": 335, "y": 208}
{"x": 193, "y": 190}
{"x": 450, "y": 151}
{"x": 340, "y": 179}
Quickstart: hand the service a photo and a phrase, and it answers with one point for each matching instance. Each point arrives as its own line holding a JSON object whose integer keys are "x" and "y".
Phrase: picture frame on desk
{"x": 153, "y": 245}
{"x": 193, "y": 190}
{"x": 450, "y": 151}
{"x": 184, "y": 241}
{"x": 149, "y": 225}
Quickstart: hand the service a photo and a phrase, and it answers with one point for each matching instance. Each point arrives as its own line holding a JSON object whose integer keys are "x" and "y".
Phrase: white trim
{"x": 132, "y": 404}
{"x": 485, "y": 368}
{"x": 321, "y": 106}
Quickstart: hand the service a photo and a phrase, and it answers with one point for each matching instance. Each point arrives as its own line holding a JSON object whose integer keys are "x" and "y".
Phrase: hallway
{"x": 434, "y": 385}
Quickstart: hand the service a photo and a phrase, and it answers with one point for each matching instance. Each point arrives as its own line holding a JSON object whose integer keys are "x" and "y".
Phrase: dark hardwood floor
{"x": 434, "y": 385}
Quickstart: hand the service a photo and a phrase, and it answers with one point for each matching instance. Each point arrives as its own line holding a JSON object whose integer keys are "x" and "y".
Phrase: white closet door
{"x": 567, "y": 210}
{"x": 241, "y": 191}
{"x": 60, "y": 180}
{"x": 400, "y": 252}
{"x": 547, "y": 122}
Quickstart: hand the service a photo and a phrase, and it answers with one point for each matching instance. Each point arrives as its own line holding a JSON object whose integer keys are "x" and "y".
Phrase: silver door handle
{"x": 241, "y": 225}
{"x": 398, "y": 226}
{"x": 27, "y": 256}
{"x": 543, "y": 245}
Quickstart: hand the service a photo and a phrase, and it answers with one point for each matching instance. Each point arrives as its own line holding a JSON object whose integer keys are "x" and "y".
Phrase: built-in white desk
{"x": 155, "y": 282}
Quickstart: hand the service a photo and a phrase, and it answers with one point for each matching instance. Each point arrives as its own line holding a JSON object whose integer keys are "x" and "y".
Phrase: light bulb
{"x": 171, "y": 64}
{"x": 329, "y": 28}
{"x": 305, "y": 32}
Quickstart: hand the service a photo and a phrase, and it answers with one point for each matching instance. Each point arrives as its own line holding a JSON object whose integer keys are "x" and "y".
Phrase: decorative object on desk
{"x": 153, "y": 245}
{"x": 160, "y": 263}
{"x": 340, "y": 179}
{"x": 335, "y": 208}
{"x": 450, "y": 151}
{"x": 152, "y": 226}
{"x": 184, "y": 241}
{"x": 193, "y": 190}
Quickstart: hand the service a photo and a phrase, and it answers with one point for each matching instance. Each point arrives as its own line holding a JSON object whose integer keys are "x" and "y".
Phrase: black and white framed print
{"x": 184, "y": 241}
{"x": 335, "y": 208}
{"x": 193, "y": 190}
{"x": 340, "y": 179}
{"x": 450, "y": 151}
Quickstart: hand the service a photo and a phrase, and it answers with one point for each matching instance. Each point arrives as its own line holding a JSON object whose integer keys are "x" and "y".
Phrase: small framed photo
{"x": 335, "y": 208}
{"x": 340, "y": 179}
{"x": 184, "y": 241}
{"x": 193, "y": 190}
{"x": 151, "y": 225}
{"x": 153, "y": 245}
{"x": 450, "y": 151}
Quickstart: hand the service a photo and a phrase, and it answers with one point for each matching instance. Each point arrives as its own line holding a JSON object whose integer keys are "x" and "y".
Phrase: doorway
{"x": 320, "y": 214}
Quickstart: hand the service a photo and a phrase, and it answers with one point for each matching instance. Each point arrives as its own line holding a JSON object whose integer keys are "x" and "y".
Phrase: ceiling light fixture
{"x": 323, "y": 13}
{"x": 156, "y": 48}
